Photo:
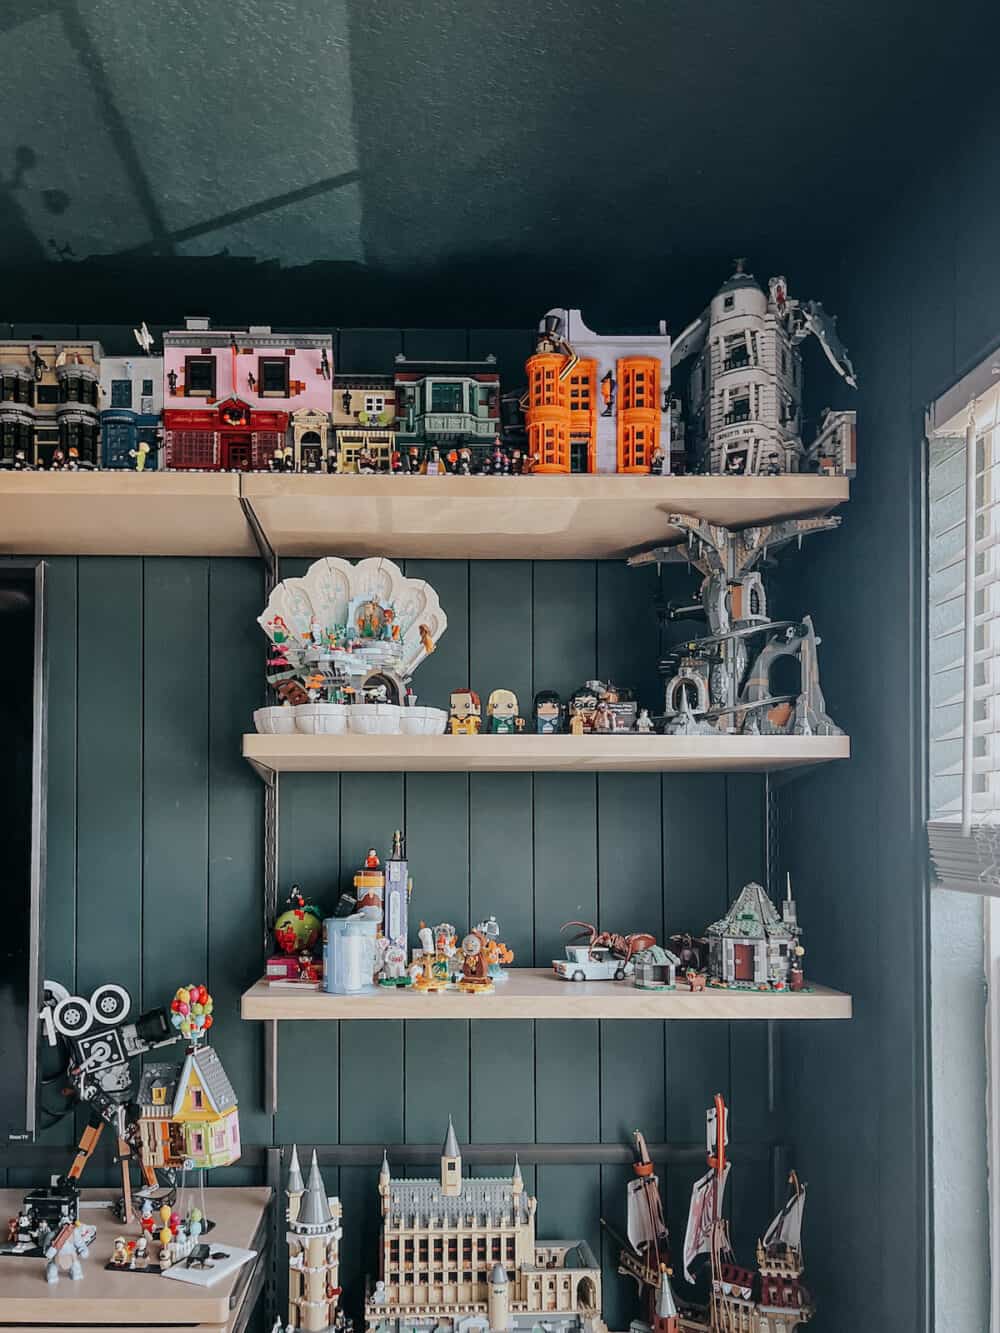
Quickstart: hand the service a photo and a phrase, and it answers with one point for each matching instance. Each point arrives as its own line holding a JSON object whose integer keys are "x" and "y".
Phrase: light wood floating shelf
{"x": 107, "y": 1300}
{"x": 123, "y": 513}
{"x": 515, "y": 518}
{"x": 512, "y": 518}
{"x": 536, "y": 992}
{"x": 539, "y": 754}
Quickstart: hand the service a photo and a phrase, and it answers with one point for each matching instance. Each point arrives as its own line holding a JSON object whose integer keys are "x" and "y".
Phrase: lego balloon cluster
{"x": 191, "y": 1012}
{"x": 722, "y": 397}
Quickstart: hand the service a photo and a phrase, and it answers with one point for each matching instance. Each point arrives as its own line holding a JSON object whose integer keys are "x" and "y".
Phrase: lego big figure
{"x": 466, "y": 713}
{"x": 501, "y": 713}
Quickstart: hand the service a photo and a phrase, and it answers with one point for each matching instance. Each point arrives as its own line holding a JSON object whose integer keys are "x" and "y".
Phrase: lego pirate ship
{"x": 645, "y": 1255}
{"x": 772, "y": 1300}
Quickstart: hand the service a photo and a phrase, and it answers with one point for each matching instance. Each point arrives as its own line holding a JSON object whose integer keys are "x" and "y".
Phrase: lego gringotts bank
{"x": 460, "y": 1254}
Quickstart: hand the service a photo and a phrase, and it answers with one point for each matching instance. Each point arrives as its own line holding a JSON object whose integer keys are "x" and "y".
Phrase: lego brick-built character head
{"x": 502, "y": 703}
{"x": 547, "y": 712}
{"x": 466, "y": 711}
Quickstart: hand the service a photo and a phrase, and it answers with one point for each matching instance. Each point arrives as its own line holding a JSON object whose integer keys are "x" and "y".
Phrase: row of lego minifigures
{"x": 461, "y": 1253}
{"x": 260, "y": 400}
{"x": 597, "y": 707}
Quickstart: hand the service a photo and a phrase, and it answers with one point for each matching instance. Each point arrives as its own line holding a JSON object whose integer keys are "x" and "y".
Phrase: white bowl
{"x": 421, "y": 721}
{"x": 374, "y": 719}
{"x": 274, "y": 721}
{"x": 321, "y": 719}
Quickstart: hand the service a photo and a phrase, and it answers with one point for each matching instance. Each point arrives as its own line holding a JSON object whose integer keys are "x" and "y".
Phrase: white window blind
{"x": 964, "y": 636}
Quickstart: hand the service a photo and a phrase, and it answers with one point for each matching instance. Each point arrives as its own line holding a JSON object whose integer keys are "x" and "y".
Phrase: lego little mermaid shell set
{"x": 259, "y": 399}
{"x": 459, "y": 1254}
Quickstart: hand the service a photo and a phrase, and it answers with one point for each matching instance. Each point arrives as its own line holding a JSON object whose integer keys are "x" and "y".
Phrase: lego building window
{"x": 121, "y": 393}
{"x": 197, "y": 1099}
{"x": 446, "y": 397}
{"x": 199, "y": 376}
{"x": 728, "y": 302}
{"x": 375, "y": 402}
{"x": 159, "y": 1095}
{"x": 46, "y": 393}
{"x": 147, "y": 388}
{"x": 272, "y": 376}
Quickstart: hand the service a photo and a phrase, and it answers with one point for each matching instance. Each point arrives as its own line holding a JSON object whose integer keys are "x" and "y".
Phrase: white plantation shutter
{"x": 964, "y": 634}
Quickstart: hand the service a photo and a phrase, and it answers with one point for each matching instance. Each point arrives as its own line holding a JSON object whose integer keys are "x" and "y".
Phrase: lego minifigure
{"x": 119, "y": 1255}
{"x": 547, "y": 713}
{"x": 476, "y": 977}
{"x": 603, "y": 719}
{"x": 141, "y": 454}
{"x": 466, "y": 713}
{"x": 501, "y": 713}
{"x": 371, "y": 860}
{"x": 645, "y": 723}
{"x": 58, "y": 461}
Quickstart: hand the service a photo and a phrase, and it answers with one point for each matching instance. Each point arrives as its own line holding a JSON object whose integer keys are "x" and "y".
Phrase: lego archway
{"x": 586, "y": 1294}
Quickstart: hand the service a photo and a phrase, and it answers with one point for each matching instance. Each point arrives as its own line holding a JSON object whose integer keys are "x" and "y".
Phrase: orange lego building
{"x": 597, "y": 403}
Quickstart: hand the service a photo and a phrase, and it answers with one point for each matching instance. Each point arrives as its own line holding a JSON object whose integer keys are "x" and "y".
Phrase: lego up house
{"x": 228, "y": 395}
{"x": 461, "y": 1253}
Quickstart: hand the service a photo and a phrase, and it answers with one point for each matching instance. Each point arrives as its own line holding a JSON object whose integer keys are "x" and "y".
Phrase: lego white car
{"x": 585, "y": 964}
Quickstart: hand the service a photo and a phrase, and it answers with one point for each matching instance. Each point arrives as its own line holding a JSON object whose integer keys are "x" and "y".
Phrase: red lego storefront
{"x": 230, "y": 436}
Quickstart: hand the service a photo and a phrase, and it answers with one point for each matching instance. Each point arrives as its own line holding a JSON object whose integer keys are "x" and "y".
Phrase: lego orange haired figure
{"x": 466, "y": 713}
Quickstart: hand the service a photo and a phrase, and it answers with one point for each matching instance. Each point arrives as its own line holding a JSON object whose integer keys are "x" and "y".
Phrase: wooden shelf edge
{"x": 538, "y": 754}
{"x": 532, "y": 993}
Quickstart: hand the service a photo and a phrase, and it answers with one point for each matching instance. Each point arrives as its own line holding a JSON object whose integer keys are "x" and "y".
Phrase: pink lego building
{"x": 228, "y": 395}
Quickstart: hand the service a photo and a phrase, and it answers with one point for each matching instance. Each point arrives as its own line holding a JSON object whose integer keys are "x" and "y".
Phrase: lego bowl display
{"x": 321, "y": 719}
{"x": 421, "y": 721}
{"x": 374, "y": 719}
{"x": 274, "y": 721}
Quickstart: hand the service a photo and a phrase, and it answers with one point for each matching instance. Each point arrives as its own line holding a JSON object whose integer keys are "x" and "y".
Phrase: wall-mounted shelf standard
{"x": 508, "y": 518}
{"x": 539, "y": 754}
{"x": 536, "y": 992}
{"x": 516, "y": 518}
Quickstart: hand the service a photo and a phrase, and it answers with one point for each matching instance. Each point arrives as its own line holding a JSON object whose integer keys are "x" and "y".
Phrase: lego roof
{"x": 752, "y": 917}
{"x": 480, "y": 1195}
{"x": 214, "y": 1080}
{"x": 157, "y": 1075}
{"x": 454, "y": 157}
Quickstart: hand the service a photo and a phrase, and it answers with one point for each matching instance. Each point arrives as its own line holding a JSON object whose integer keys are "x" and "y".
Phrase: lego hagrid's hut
{"x": 462, "y": 1253}
{"x": 752, "y": 946}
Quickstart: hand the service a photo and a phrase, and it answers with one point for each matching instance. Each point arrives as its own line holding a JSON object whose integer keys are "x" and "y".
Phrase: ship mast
{"x": 720, "y": 1239}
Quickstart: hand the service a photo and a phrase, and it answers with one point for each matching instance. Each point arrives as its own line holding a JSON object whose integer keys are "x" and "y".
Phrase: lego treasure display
{"x": 462, "y": 1252}
{"x": 345, "y": 642}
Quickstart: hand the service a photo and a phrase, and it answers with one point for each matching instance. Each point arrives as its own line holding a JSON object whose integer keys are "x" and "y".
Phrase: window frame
{"x": 191, "y": 362}
{"x": 270, "y": 362}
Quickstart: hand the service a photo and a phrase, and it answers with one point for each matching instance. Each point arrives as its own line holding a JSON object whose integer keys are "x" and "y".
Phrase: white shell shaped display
{"x": 330, "y": 590}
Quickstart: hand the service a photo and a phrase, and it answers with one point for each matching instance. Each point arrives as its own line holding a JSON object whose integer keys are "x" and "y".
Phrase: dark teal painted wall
{"x": 155, "y": 874}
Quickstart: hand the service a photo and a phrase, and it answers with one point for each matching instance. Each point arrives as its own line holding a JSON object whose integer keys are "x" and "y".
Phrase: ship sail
{"x": 645, "y": 1214}
{"x": 705, "y": 1211}
{"x": 786, "y": 1229}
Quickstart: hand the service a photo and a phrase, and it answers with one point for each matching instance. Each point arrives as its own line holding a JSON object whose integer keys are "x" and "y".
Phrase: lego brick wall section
{"x": 155, "y": 876}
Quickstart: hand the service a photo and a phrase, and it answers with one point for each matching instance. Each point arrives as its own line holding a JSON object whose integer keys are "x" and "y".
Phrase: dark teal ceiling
{"x": 364, "y": 161}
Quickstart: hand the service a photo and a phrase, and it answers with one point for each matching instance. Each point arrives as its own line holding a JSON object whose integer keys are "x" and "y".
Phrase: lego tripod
{"x": 89, "y": 1140}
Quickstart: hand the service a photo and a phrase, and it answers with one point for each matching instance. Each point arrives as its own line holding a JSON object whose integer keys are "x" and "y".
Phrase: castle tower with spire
{"x": 313, "y": 1237}
{"x": 451, "y": 1164}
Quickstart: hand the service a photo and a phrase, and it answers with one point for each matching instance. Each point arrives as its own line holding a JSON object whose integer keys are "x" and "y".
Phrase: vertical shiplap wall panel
{"x": 61, "y": 870}
{"x": 176, "y": 631}
{"x": 564, "y": 650}
{"x": 109, "y": 768}
{"x": 60, "y": 908}
{"x": 236, "y": 809}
